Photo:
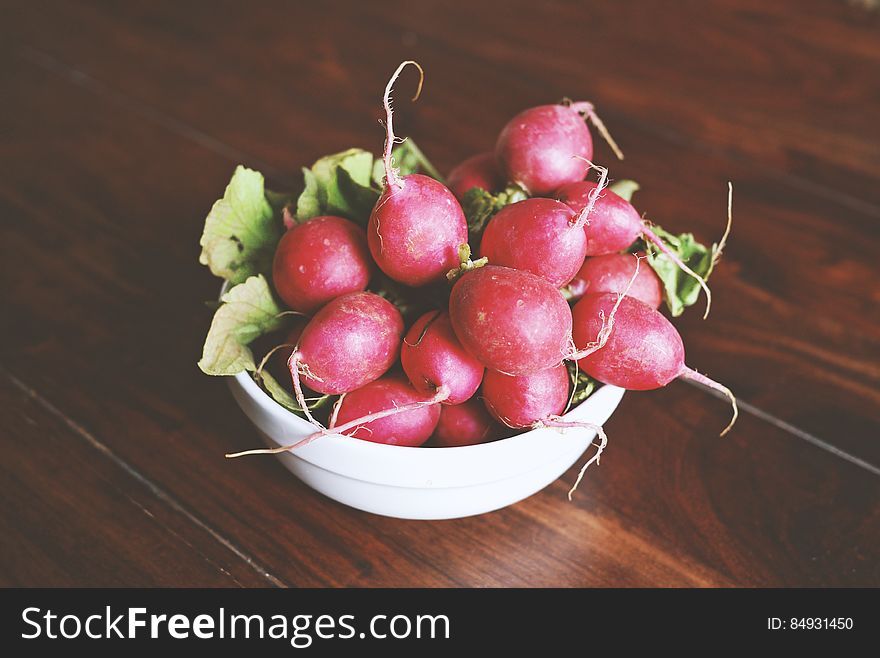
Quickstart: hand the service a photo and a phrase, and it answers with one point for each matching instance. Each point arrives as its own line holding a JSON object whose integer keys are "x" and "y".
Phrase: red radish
{"x": 465, "y": 424}
{"x": 614, "y": 225}
{"x": 643, "y": 351}
{"x": 510, "y": 320}
{"x": 539, "y": 147}
{"x": 417, "y": 225}
{"x": 477, "y": 171}
{"x": 410, "y": 427}
{"x": 522, "y": 401}
{"x": 432, "y": 357}
{"x": 613, "y": 273}
{"x": 350, "y": 342}
{"x": 536, "y": 400}
{"x": 320, "y": 260}
{"x": 387, "y": 410}
{"x": 541, "y": 236}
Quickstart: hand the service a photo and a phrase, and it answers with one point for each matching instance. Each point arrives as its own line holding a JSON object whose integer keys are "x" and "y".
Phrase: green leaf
{"x": 248, "y": 311}
{"x": 480, "y": 206}
{"x": 308, "y": 204}
{"x": 338, "y": 184}
{"x": 624, "y": 188}
{"x": 583, "y": 385}
{"x": 680, "y": 289}
{"x": 283, "y": 397}
{"x": 408, "y": 159}
{"x": 240, "y": 232}
{"x": 359, "y": 198}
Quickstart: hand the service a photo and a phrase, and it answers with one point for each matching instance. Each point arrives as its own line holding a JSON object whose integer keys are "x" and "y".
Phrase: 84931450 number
{"x": 820, "y": 623}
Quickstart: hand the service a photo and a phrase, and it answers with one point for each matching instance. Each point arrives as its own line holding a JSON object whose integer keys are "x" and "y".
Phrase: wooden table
{"x": 120, "y": 124}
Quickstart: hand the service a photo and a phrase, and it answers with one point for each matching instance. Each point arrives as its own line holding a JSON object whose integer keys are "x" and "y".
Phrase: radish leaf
{"x": 248, "y": 311}
{"x": 680, "y": 289}
{"x": 240, "y": 231}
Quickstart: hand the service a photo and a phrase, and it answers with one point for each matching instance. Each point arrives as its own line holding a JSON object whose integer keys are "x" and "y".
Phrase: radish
{"x": 539, "y": 147}
{"x": 350, "y": 342}
{"x": 411, "y": 424}
{"x": 465, "y": 424}
{"x": 521, "y": 401}
{"x": 432, "y": 357}
{"x": 612, "y": 273}
{"x": 477, "y": 171}
{"x": 535, "y": 401}
{"x": 510, "y": 320}
{"x": 541, "y": 236}
{"x": 320, "y": 260}
{"x": 417, "y": 225}
{"x": 642, "y": 352}
{"x": 615, "y": 224}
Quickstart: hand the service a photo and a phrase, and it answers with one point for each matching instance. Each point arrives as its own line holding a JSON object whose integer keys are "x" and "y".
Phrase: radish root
{"x": 583, "y": 218}
{"x": 296, "y": 366}
{"x": 557, "y": 422}
{"x": 719, "y": 248}
{"x": 391, "y": 176}
{"x": 262, "y": 365}
{"x": 693, "y": 375}
{"x": 589, "y": 112}
{"x": 334, "y": 413}
{"x": 607, "y": 323}
{"x": 441, "y": 395}
{"x": 655, "y": 239}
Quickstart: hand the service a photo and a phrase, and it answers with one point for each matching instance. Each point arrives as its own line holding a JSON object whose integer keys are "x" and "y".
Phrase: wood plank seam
{"x": 152, "y": 487}
{"x": 78, "y": 78}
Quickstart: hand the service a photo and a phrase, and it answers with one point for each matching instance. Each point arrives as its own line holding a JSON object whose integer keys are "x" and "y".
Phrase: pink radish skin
{"x": 432, "y": 357}
{"x": 416, "y": 226}
{"x": 406, "y": 428}
{"x": 350, "y": 342}
{"x": 522, "y": 401}
{"x": 614, "y": 223}
{"x": 536, "y": 148}
{"x": 510, "y": 320}
{"x": 643, "y": 351}
{"x": 415, "y": 230}
{"x": 465, "y": 424}
{"x": 320, "y": 260}
{"x": 541, "y": 236}
{"x": 613, "y": 273}
{"x": 477, "y": 171}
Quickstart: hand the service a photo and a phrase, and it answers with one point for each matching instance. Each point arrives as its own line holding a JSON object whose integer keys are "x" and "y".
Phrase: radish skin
{"x": 615, "y": 224}
{"x": 480, "y": 170}
{"x": 612, "y": 273}
{"x": 465, "y": 424}
{"x": 643, "y": 352}
{"x": 541, "y": 236}
{"x": 432, "y": 357}
{"x": 319, "y": 260}
{"x": 350, "y": 342}
{"x": 417, "y": 225}
{"x": 510, "y": 320}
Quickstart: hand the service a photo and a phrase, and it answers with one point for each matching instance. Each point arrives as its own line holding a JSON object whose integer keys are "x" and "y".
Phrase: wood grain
{"x": 123, "y": 131}
{"x": 796, "y": 298}
{"x": 666, "y": 517}
{"x": 71, "y": 516}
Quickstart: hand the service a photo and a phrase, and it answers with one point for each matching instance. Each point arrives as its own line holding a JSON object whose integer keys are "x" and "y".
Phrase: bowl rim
{"x": 420, "y": 467}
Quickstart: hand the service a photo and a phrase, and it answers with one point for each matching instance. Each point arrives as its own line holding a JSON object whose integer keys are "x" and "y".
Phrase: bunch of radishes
{"x": 492, "y": 348}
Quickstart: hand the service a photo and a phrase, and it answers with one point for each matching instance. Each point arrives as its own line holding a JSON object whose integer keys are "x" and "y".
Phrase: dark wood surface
{"x": 120, "y": 125}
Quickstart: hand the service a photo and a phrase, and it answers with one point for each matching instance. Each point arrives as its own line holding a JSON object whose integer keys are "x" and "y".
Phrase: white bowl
{"x": 424, "y": 483}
